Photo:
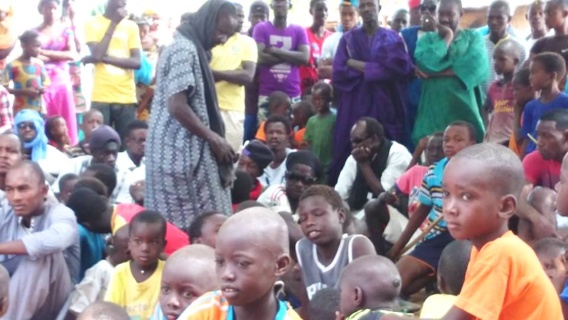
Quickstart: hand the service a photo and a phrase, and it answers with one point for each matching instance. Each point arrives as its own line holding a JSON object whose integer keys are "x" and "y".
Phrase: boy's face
{"x": 210, "y": 229}
{"x": 246, "y": 269}
{"x": 473, "y": 209}
{"x": 25, "y": 192}
{"x": 136, "y": 142}
{"x": 91, "y": 122}
{"x": 554, "y": 15}
{"x": 146, "y": 243}
{"x": 281, "y": 109}
{"x": 67, "y": 189}
{"x": 247, "y": 165}
{"x": 319, "y": 13}
{"x": 181, "y": 285}
{"x": 298, "y": 180}
{"x": 522, "y": 94}
{"x": 434, "y": 150}
{"x": 320, "y": 100}
{"x": 297, "y": 117}
{"x": 536, "y": 16}
{"x": 349, "y": 17}
{"x": 547, "y": 260}
{"x": 539, "y": 78}
{"x": 257, "y": 18}
{"x": 320, "y": 223}
{"x": 562, "y": 190}
{"x": 400, "y": 21}
{"x": 276, "y": 136}
{"x": 32, "y": 48}
{"x": 497, "y": 20}
{"x": 456, "y": 138}
{"x": 504, "y": 62}
{"x": 551, "y": 142}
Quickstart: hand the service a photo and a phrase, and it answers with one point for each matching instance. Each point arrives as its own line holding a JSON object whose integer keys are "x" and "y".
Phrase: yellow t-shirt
{"x": 139, "y": 299}
{"x": 228, "y": 57}
{"x": 112, "y": 84}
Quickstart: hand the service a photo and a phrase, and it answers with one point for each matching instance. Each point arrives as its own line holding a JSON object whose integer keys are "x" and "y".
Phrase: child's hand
{"x": 339, "y": 316}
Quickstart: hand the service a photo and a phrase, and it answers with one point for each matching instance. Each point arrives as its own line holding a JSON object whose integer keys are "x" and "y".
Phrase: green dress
{"x": 459, "y": 97}
{"x": 319, "y": 135}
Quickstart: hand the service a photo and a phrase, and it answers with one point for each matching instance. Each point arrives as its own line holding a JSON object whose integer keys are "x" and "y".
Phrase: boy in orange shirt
{"x": 504, "y": 279}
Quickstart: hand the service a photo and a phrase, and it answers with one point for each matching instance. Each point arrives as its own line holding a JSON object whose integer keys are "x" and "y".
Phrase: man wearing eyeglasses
{"x": 373, "y": 167}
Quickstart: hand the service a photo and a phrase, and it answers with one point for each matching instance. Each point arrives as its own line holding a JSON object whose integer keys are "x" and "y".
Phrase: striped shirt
{"x": 431, "y": 195}
{"x": 214, "y": 306}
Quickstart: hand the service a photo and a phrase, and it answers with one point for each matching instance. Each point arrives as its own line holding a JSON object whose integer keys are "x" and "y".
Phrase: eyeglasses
{"x": 26, "y": 125}
{"x": 359, "y": 140}
{"x": 430, "y": 8}
{"x": 299, "y": 178}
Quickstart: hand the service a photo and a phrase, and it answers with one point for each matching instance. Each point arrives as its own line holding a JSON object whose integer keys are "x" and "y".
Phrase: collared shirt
{"x": 6, "y": 115}
{"x": 397, "y": 162}
{"x": 133, "y": 174}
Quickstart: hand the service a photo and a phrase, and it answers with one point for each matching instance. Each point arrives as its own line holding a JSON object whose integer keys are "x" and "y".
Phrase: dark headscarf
{"x": 199, "y": 29}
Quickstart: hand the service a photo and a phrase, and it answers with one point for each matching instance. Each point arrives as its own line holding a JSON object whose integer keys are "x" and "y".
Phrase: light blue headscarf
{"x": 39, "y": 143}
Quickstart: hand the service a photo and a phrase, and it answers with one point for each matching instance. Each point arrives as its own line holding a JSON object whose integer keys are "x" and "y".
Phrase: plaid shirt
{"x": 6, "y": 115}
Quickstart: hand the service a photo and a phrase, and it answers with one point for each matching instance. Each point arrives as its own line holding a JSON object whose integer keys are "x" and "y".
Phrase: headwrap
{"x": 39, "y": 144}
{"x": 101, "y": 136}
{"x": 200, "y": 29}
{"x": 350, "y": 3}
{"x": 259, "y": 153}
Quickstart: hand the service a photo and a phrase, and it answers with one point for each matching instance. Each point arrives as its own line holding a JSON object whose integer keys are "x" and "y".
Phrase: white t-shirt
{"x": 275, "y": 176}
{"x": 330, "y": 45}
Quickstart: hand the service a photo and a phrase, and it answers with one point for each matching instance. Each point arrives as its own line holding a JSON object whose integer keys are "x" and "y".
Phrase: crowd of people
{"x": 284, "y": 172}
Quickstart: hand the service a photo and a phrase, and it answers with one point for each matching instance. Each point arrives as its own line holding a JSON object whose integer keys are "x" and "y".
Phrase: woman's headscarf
{"x": 39, "y": 144}
{"x": 200, "y": 28}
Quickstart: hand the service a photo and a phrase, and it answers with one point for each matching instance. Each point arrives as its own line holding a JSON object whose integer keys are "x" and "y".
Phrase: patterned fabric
{"x": 431, "y": 195}
{"x": 26, "y": 75}
{"x": 182, "y": 176}
{"x": 6, "y": 115}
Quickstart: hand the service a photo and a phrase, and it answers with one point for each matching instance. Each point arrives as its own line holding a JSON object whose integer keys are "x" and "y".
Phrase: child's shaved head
{"x": 103, "y": 311}
{"x": 382, "y": 291}
{"x": 188, "y": 274}
{"x": 4, "y": 286}
{"x": 502, "y": 166}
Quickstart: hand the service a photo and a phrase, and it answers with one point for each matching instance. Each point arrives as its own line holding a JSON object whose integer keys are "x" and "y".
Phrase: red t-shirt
{"x": 540, "y": 172}
{"x": 309, "y": 74}
{"x": 123, "y": 214}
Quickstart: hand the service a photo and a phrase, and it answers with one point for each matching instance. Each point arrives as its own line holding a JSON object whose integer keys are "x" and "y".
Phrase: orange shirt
{"x": 260, "y": 135}
{"x": 504, "y": 280}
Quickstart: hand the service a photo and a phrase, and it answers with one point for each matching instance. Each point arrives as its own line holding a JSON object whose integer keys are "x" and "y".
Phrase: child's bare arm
{"x": 413, "y": 224}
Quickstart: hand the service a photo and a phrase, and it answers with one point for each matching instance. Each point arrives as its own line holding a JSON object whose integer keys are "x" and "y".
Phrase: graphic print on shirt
{"x": 282, "y": 70}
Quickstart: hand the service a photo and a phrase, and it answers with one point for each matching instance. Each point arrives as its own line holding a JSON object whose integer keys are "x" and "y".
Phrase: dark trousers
{"x": 117, "y": 115}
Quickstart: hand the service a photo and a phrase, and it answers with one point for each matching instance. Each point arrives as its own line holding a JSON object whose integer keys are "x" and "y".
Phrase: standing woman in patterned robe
{"x": 189, "y": 164}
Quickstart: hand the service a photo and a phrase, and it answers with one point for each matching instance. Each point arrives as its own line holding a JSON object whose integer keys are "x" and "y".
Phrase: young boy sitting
{"x": 325, "y": 250}
{"x": 188, "y": 274}
{"x": 451, "y": 275}
{"x": 369, "y": 289}
{"x": 278, "y": 104}
{"x": 504, "y": 279}
{"x": 248, "y": 265}
{"x": 204, "y": 228}
{"x": 91, "y": 120}
{"x": 301, "y": 113}
{"x": 320, "y": 128}
{"x": 499, "y": 102}
{"x": 66, "y": 186}
{"x": 135, "y": 285}
{"x": 523, "y": 93}
{"x": 419, "y": 266}
{"x": 94, "y": 285}
{"x": 551, "y": 253}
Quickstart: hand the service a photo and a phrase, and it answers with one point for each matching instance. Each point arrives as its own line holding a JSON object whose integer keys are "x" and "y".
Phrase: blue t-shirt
{"x": 431, "y": 195}
{"x": 92, "y": 249}
{"x": 534, "y": 110}
{"x": 564, "y": 294}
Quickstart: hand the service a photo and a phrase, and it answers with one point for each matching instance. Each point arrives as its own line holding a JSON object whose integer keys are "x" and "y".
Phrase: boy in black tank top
{"x": 325, "y": 250}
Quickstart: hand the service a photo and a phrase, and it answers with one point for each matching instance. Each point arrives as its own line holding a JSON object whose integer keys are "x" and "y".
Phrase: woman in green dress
{"x": 453, "y": 64}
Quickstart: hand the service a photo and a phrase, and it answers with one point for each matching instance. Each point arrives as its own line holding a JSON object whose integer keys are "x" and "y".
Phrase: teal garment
{"x": 92, "y": 249}
{"x": 451, "y": 98}
{"x": 319, "y": 135}
{"x": 145, "y": 73}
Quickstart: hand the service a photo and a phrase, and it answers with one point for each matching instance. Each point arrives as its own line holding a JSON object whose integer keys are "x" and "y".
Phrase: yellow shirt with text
{"x": 139, "y": 299}
{"x": 113, "y": 84}
{"x": 229, "y": 57}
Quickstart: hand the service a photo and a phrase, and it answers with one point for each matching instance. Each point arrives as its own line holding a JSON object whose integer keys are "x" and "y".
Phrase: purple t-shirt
{"x": 283, "y": 77}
